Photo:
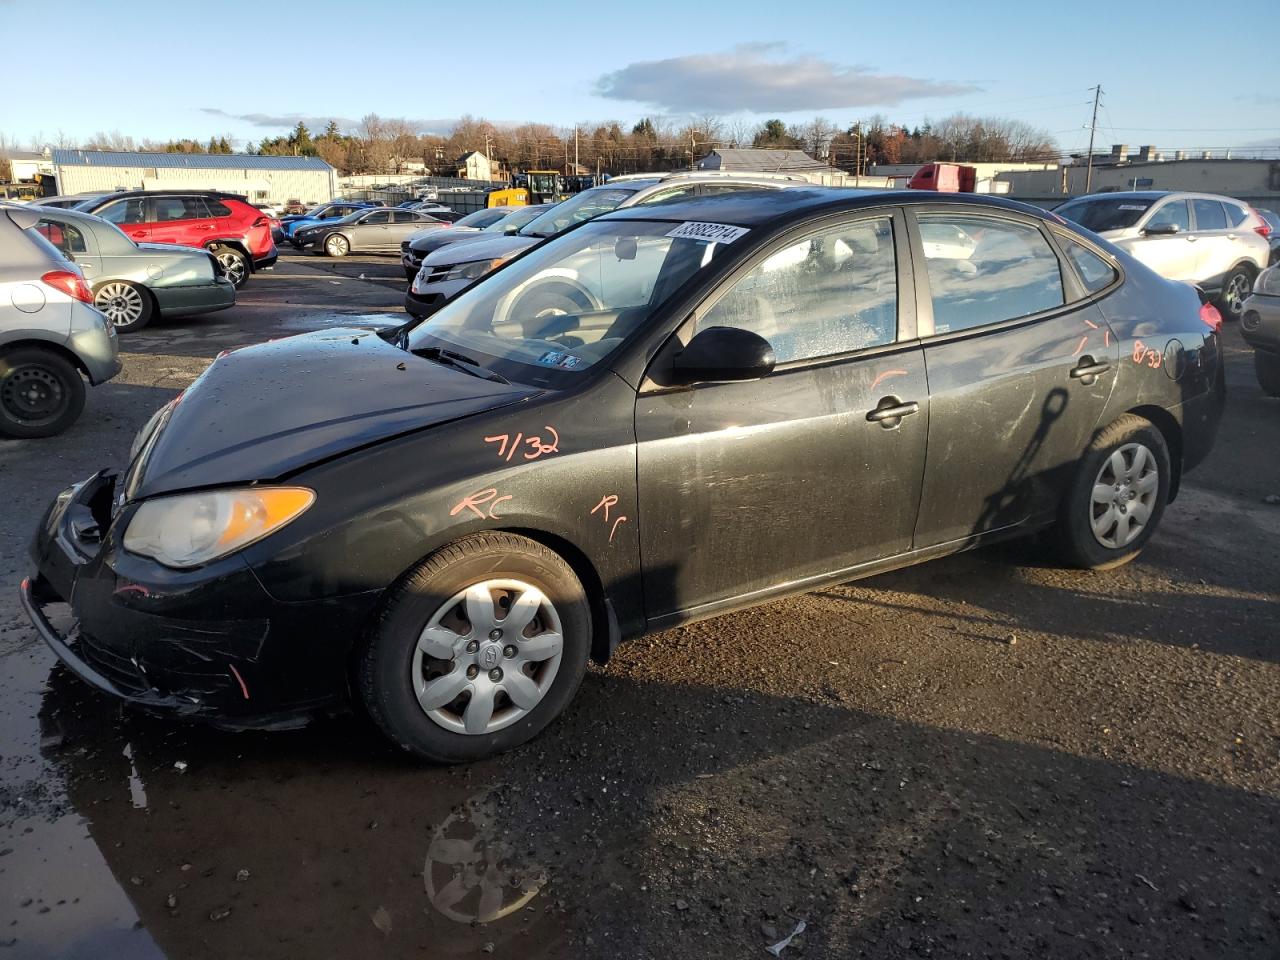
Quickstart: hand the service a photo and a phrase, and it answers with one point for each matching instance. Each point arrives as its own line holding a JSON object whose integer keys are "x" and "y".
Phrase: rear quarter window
{"x": 1094, "y": 272}
{"x": 217, "y": 208}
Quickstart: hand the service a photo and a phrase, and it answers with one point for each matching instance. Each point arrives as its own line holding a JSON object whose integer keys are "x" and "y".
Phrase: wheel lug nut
{"x": 473, "y": 646}
{"x": 495, "y": 674}
{"x": 509, "y": 651}
{"x": 495, "y": 634}
{"x": 472, "y": 672}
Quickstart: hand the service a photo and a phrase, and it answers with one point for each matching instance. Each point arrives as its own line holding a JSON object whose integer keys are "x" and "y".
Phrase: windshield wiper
{"x": 460, "y": 361}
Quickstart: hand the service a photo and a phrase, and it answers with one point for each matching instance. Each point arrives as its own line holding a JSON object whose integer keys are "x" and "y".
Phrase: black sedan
{"x": 767, "y": 392}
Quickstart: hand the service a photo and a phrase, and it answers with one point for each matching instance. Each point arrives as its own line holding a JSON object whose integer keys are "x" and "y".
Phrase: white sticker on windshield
{"x": 1133, "y": 206}
{"x": 713, "y": 232}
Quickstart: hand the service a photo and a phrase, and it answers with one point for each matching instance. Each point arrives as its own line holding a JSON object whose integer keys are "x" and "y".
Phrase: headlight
{"x": 195, "y": 528}
{"x": 474, "y": 269}
{"x": 1268, "y": 282}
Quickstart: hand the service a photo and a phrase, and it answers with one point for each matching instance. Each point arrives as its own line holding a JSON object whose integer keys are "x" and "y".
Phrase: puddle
{"x": 318, "y": 320}
{"x": 60, "y": 898}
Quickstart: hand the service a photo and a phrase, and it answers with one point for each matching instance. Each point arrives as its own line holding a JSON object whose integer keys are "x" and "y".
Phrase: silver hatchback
{"x": 1218, "y": 243}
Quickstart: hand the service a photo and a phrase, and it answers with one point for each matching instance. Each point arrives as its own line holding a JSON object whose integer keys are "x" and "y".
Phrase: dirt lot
{"x": 985, "y": 756}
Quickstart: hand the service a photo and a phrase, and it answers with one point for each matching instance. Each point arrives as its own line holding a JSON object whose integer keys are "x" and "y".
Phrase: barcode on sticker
{"x": 712, "y": 232}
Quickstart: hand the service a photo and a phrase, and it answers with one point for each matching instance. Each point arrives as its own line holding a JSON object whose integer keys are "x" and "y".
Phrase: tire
{"x": 421, "y": 643}
{"x": 1236, "y": 287}
{"x": 536, "y": 308}
{"x": 1267, "y": 368}
{"x": 336, "y": 245}
{"x": 127, "y": 305}
{"x": 1115, "y": 472}
{"x": 41, "y": 393}
{"x": 235, "y": 265}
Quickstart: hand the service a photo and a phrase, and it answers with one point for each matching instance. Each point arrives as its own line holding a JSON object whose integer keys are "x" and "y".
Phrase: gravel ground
{"x": 985, "y": 756}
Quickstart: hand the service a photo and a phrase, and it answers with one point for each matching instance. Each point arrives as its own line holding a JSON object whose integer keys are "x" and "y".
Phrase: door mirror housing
{"x": 1161, "y": 230}
{"x": 723, "y": 354}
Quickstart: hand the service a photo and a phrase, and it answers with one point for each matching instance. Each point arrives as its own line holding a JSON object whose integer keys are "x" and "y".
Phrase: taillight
{"x": 1211, "y": 317}
{"x": 72, "y": 284}
{"x": 1260, "y": 226}
{"x": 261, "y": 222}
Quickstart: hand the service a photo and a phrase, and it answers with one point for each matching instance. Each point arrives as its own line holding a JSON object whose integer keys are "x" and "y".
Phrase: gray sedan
{"x": 379, "y": 230}
{"x": 132, "y": 282}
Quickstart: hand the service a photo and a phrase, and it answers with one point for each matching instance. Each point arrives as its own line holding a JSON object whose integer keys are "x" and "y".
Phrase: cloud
{"x": 761, "y": 78}
{"x": 287, "y": 121}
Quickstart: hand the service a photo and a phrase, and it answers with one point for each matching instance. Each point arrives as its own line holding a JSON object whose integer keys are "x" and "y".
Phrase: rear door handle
{"x": 1087, "y": 371}
{"x": 890, "y": 411}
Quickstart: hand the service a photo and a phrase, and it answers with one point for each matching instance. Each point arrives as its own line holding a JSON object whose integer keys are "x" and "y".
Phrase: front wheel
{"x": 477, "y": 650}
{"x": 337, "y": 246}
{"x": 1118, "y": 496}
{"x": 41, "y": 393}
{"x": 234, "y": 264}
{"x": 1236, "y": 287}
{"x": 125, "y": 304}
{"x": 1267, "y": 368}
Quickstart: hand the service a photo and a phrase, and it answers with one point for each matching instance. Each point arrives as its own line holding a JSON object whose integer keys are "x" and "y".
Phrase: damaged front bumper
{"x": 209, "y": 644}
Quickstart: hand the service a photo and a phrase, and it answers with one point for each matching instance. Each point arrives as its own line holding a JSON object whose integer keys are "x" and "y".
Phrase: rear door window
{"x": 984, "y": 270}
{"x": 1209, "y": 215}
{"x": 171, "y": 209}
{"x": 377, "y": 217}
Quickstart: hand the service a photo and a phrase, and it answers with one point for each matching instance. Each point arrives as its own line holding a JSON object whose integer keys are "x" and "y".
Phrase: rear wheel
{"x": 1267, "y": 368}
{"x": 1236, "y": 288}
{"x": 477, "y": 650}
{"x": 41, "y": 393}
{"x": 337, "y": 245}
{"x": 234, "y": 264}
{"x": 126, "y": 305}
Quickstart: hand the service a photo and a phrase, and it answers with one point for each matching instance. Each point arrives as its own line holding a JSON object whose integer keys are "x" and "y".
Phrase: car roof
{"x": 1153, "y": 195}
{"x": 757, "y": 208}
{"x": 130, "y": 194}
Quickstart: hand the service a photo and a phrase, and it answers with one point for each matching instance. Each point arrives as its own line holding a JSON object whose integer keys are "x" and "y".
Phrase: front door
{"x": 746, "y": 488}
{"x": 130, "y": 215}
{"x": 372, "y": 232}
{"x": 1018, "y": 378}
{"x": 1172, "y": 255}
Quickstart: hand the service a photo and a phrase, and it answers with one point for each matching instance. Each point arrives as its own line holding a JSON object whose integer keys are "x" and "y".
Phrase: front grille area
{"x": 112, "y": 664}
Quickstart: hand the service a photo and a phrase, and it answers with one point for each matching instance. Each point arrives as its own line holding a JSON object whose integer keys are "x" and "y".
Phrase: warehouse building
{"x": 759, "y": 160}
{"x": 264, "y": 179}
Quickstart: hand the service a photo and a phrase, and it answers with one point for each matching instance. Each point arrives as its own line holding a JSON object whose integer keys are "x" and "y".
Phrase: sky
{"x": 162, "y": 70}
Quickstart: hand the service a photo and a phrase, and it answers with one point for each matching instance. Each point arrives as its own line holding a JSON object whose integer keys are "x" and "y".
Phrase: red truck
{"x": 945, "y": 178}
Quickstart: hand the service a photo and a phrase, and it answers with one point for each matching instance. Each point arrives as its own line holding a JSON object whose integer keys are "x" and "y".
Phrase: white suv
{"x": 1217, "y": 243}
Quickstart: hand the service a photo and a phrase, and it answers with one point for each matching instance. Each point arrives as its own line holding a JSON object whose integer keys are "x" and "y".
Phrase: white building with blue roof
{"x": 261, "y": 179}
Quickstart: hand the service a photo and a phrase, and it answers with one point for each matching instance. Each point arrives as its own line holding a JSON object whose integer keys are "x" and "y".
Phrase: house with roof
{"x": 259, "y": 178}
{"x": 474, "y": 166}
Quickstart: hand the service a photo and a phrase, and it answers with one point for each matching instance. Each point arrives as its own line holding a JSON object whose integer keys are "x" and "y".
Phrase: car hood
{"x": 436, "y": 239}
{"x": 505, "y": 246}
{"x": 431, "y": 235}
{"x": 263, "y": 412}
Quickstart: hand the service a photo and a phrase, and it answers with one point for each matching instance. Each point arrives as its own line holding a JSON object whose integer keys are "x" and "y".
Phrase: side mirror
{"x": 723, "y": 354}
{"x": 510, "y": 230}
{"x": 1161, "y": 230}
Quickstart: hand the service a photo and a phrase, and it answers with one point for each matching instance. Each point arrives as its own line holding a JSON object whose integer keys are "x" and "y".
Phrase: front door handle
{"x": 1087, "y": 371}
{"x": 890, "y": 411}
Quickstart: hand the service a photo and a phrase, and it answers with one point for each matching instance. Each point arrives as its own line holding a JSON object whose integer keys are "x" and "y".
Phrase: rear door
{"x": 1020, "y": 364}
{"x": 130, "y": 215}
{"x": 1172, "y": 255}
{"x": 750, "y": 486}
{"x": 1215, "y": 241}
{"x": 404, "y": 224}
{"x": 180, "y": 220}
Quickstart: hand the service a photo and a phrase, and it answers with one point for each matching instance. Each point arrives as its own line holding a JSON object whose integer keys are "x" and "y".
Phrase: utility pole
{"x": 692, "y": 147}
{"x": 1093, "y": 126}
{"x": 575, "y": 149}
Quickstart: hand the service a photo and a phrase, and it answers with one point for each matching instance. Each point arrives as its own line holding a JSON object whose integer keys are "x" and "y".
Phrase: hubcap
{"x": 487, "y": 656}
{"x": 1237, "y": 291}
{"x": 121, "y": 303}
{"x": 337, "y": 246}
{"x": 1124, "y": 494}
{"x": 232, "y": 266}
{"x": 32, "y": 394}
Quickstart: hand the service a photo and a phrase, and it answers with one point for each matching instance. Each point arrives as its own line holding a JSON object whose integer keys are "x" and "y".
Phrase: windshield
{"x": 483, "y": 218}
{"x": 587, "y": 204}
{"x": 316, "y": 211}
{"x": 1105, "y": 213}
{"x": 568, "y": 304}
{"x": 514, "y": 221}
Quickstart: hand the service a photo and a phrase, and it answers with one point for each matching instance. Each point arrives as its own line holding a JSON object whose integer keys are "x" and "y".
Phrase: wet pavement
{"x": 984, "y": 756}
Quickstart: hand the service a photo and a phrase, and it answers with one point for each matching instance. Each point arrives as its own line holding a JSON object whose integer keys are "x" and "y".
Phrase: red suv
{"x": 226, "y": 225}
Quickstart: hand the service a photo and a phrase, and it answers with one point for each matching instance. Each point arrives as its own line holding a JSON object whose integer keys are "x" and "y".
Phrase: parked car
{"x": 50, "y": 335}
{"x": 323, "y": 213}
{"x": 379, "y": 230}
{"x": 446, "y": 273}
{"x": 131, "y": 282}
{"x": 66, "y": 202}
{"x": 1260, "y": 325}
{"x": 225, "y": 224}
{"x": 294, "y": 206}
{"x": 1217, "y": 243}
{"x": 1273, "y": 221}
{"x": 446, "y": 521}
{"x": 481, "y": 224}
